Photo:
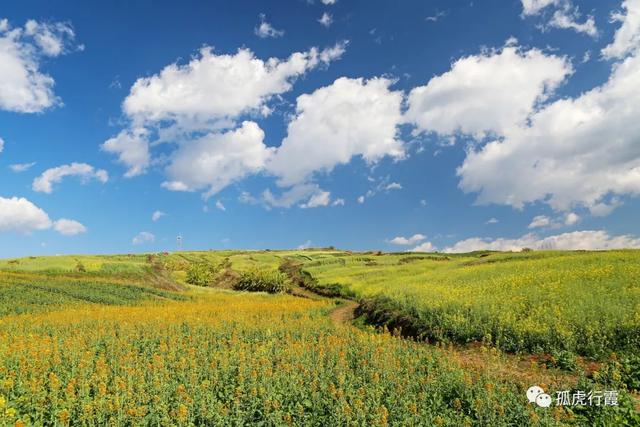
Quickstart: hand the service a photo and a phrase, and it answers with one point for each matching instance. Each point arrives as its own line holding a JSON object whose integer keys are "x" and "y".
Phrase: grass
{"x": 529, "y": 302}
{"x": 236, "y": 359}
{"x": 113, "y": 343}
{"x": 30, "y": 293}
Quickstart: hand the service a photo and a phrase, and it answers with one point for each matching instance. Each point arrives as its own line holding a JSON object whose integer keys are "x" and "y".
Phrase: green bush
{"x": 201, "y": 274}
{"x": 272, "y": 281}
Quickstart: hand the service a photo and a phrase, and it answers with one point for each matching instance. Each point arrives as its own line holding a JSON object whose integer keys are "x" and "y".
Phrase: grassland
{"x": 125, "y": 340}
{"x": 583, "y": 302}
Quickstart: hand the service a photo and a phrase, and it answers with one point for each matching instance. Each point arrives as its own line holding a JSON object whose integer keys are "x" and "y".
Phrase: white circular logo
{"x": 533, "y": 392}
{"x": 543, "y": 400}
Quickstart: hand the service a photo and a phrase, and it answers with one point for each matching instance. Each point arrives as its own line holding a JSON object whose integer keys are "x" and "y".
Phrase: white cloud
{"x": 438, "y": 15}
{"x": 567, "y": 19}
{"x": 543, "y": 221}
{"x": 423, "y": 202}
{"x": 69, "y": 227}
{"x": 627, "y": 38}
{"x": 220, "y": 206}
{"x": 540, "y": 221}
{"x": 212, "y": 87}
{"x": 44, "y": 183}
{"x": 321, "y": 198}
{"x": 196, "y": 102}
{"x": 157, "y": 215}
{"x": 305, "y": 245}
{"x": 578, "y": 151}
{"x": 21, "y": 167}
{"x": 338, "y": 202}
{"x": 393, "y": 186}
{"x": 19, "y": 215}
{"x": 565, "y": 15}
{"x": 143, "y": 238}
{"x": 585, "y": 240}
{"x": 424, "y": 247}
{"x": 492, "y": 221}
{"x": 329, "y": 2}
{"x": 52, "y": 38}
{"x": 533, "y": 7}
{"x": 326, "y": 20}
{"x": 216, "y": 160}
{"x": 23, "y": 86}
{"x": 265, "y": 29}
{"x": 571, "y": 218}
{"x": 486, "y": 93}
{"x": 383, "y": 186}
{"x": 407, "y": 240}
{"x": 1, "y": 145}
{"x": 132, "y": 148}
{"x": 22, "y": 216}
{"x": 349, "y": 118}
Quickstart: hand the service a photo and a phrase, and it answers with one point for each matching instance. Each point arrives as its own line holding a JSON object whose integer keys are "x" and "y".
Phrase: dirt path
{"x": 298, "y": 291}
{"x": 344, "y": 313}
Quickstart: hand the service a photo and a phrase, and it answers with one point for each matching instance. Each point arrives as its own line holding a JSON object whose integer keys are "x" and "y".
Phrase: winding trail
{"x": 345, "y": 313}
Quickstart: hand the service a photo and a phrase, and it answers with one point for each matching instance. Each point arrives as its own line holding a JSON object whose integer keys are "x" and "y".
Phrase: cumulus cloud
{"x": 44, "y": 183}
{"x": 486, "y": 93}
{"x": 23, "y": 86}
{"x": 329, "y": 2}
{"x": 407, "y": 240}
{"x": 585, "y": 240}
{"x": 132, "y": 148}
{"x": 21, "y": 167}
{"x": 195, "y": 107}
{"x": 580, "y": 151}
{"x": 627, "y": 38}
{"x": 69, "y": 227}
{"x": 1, "y": 145}
{"x": 143, "y": 237}
{"x": 216, "y": 160}
{"x": 214, "y": 87}
{"x": 157, "y": 215}
{"x": 424, "y": 247}
{"x": 332, "y": 125}
{"x": 220, "y": 206}
{"x": 19, "y": 215}
{"x": 22, "y": 216}
{"x": 571, "y": 218}
{"x": 492, "y": 221}
{"x": 265, "y": 29}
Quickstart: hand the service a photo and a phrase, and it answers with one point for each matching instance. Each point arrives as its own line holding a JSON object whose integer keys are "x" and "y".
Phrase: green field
{"x": 583, "y": 302}
{"x": 129, "y": 340}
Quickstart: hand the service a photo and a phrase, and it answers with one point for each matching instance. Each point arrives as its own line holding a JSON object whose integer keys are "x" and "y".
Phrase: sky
{"x": 360, "y": 124}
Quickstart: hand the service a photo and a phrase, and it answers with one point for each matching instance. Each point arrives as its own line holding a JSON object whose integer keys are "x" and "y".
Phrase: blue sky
{"x": 427, "y": 125}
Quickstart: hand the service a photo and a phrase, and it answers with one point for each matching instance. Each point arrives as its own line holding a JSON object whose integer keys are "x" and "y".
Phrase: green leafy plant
{"x": 262, "y": 280}
{"x": 201, "y": 274}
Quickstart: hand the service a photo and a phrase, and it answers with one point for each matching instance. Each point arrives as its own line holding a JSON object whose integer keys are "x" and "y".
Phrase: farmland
{"x": 129, "y": 340}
